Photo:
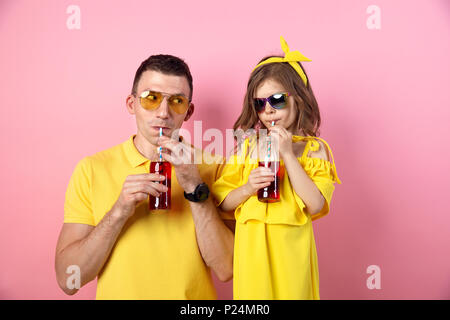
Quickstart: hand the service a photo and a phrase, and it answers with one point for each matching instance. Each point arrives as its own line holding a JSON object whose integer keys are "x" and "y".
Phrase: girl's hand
{"x": 283, "y": 138}
{"x": 260, "y": 177}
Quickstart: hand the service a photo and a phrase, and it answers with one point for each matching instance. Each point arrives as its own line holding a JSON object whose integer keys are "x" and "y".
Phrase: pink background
{"x": 383, "y": 95}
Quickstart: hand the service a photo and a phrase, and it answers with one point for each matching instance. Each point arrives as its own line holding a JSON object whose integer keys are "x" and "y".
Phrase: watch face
{"x": 203, "y": 196}
{"x": 203, "y": 192}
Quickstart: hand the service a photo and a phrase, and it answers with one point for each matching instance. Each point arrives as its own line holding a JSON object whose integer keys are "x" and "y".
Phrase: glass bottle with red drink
{"x": 271, "y": 193}
{"x": 163, "y": 168}
{"x": 270, "y": 159}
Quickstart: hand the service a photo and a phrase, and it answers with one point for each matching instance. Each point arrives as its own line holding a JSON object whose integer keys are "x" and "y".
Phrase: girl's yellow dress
{"x": 274, "y": 253}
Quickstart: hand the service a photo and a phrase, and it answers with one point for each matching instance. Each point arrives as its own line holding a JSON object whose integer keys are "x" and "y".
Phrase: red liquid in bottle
{"x": 272, "y": 192}
{"x": 163, "y": 168}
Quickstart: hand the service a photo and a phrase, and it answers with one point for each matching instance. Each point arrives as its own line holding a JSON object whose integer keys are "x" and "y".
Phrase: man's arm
{"x": 89, "y": 247}
{"x": 215, "y": 240}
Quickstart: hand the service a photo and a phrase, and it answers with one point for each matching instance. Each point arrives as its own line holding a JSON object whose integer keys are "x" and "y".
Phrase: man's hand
{"x": 181, "y": 156}
{"x": 135, "y": 189}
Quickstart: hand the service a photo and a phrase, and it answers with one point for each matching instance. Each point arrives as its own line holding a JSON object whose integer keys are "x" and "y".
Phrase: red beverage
{"x": 163, "y": 168}
{"x": 272, "y": 192}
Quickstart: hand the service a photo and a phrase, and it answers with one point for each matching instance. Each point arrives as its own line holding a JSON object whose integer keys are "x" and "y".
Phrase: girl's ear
{"x": 258, "y": 125}
{"x": 189, "y": 112}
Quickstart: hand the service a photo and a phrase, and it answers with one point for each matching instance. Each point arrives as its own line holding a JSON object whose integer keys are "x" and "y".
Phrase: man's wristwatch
{"x": 200, "y": 193}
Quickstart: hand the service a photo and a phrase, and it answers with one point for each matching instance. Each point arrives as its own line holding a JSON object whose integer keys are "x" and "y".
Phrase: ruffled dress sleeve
{"x": 231, "y": 175}
{"x": 322, "y": 172}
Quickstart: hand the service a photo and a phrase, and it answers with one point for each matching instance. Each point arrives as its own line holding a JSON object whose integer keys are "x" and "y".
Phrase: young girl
{"x": 275, "y": 253}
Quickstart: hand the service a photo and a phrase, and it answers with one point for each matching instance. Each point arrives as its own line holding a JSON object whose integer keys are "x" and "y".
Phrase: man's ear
{"x": 189, "y": 112}
{"x": 129, "y": 102}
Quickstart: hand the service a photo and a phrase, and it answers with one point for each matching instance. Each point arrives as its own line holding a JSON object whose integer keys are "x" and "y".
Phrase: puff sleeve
{"x": 322, "y": 173}
{"x": 230, "y": 179}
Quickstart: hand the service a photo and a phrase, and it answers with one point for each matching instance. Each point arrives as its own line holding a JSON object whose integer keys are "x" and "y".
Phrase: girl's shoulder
{"x": 317, "y": 154}
{"x": 311, "y": 147}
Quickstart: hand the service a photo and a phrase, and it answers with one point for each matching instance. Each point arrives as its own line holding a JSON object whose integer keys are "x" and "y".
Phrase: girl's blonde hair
{"x": 308, "y": 116}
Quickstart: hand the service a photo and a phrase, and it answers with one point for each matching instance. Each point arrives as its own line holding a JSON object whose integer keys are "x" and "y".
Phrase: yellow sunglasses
{"x": 151, "y": 100}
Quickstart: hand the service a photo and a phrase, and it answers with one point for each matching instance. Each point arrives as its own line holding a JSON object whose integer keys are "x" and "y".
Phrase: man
{"x": 109, "y": 231}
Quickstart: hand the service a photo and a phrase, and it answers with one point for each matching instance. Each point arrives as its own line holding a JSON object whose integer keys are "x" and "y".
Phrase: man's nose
{"x": 163, "y": 110}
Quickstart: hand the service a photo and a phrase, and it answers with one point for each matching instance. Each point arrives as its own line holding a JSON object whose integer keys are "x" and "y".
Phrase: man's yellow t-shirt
{"x": 156, "y": 254}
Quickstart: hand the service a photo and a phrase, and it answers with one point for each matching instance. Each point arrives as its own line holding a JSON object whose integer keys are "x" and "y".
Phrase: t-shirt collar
{"x": 132, "y": 153}
{"x": 134, "y": 156}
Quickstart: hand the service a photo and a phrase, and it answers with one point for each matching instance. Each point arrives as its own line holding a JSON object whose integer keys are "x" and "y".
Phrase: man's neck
{"x": 145, "y": 147}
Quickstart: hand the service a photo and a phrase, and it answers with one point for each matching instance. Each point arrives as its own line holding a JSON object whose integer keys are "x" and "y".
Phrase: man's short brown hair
{"x": 166, "y": 64}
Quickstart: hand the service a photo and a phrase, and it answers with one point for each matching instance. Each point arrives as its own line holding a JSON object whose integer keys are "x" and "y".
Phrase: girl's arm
{"x": 303, "y": 186}
{"x": 260, "y": 177}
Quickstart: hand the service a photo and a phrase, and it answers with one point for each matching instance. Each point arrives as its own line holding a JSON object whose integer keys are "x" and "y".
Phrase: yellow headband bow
{"x": 289, "y": 56}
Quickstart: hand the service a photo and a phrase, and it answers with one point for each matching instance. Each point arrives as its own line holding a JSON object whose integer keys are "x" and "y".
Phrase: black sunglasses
{"x": 276, "y": 101}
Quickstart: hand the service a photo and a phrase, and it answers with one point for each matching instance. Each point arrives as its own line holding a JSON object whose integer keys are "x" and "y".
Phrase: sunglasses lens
{"x": 150, "y": 100}
{"x": 278, "y": 100}
{"x": 179, "y": 104}
{"x": 259, "y": 104}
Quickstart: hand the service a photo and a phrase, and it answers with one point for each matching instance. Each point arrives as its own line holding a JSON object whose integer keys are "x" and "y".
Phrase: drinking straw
{"x": 160, "y": 148}
{"x": 269, "y": 147}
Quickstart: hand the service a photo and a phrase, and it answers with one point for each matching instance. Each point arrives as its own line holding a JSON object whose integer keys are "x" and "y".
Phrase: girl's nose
{"x": 268, "y": 108}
